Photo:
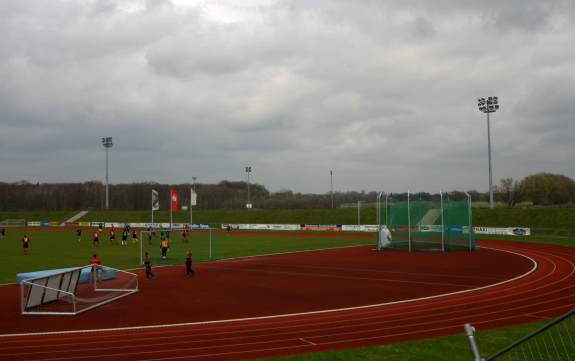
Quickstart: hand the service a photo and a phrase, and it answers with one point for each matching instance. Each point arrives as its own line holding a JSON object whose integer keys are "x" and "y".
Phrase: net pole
{"x": 386, "y": 212}
{"x": 378, "y": 212}
{"x": 469, "y": 219}
{"x": 408, "y": 223}
{"x": 210, "y": 232}
{"x": 442, "y": 224}
{"x": 141, "y": 247}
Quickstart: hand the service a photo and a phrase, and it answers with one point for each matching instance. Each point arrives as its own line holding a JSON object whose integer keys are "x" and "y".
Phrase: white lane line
{"x": 308, "y": 342}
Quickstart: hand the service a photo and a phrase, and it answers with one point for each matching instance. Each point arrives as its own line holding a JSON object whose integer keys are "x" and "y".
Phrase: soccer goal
{"x": 442, "y": 224}
{"x": 72, "y": 291}
{"x": 203, "y": 242}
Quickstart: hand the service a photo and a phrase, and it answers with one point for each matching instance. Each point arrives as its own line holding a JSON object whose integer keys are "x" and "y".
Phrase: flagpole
{"x": 152, "y": 208}
{"x": 171, "y": 206}
{"x": 191, "y": 205}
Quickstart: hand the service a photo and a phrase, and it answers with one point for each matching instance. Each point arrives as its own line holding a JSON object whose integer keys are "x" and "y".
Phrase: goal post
{"x": 71, "y": 291}
{"x": 204, "y": 243}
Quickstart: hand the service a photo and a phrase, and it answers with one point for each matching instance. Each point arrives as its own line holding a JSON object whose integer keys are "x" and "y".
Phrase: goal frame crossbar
{"x": 74, "y": 299}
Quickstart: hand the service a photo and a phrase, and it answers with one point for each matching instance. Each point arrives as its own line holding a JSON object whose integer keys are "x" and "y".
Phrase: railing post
{"x": 470, "y": 332}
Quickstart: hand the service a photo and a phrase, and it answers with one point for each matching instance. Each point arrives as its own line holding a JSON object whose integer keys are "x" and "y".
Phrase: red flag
{"x": 174, "y": 199}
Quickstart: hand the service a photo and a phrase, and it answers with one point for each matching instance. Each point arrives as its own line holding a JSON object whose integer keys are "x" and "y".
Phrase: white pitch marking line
{"x": 308, "y": 342}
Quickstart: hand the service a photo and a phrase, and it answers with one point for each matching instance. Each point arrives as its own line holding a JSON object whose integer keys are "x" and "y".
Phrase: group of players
{"x": 164, "y": 235}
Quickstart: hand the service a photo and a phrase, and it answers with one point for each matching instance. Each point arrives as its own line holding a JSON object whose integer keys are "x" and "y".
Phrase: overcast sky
{"x": 382, "y": 92}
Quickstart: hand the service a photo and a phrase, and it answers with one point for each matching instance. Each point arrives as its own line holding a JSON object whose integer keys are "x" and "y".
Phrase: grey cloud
{"x": 383, "y": 93}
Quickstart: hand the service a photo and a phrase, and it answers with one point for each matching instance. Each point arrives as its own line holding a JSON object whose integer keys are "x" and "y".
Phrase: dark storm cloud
{"x": 383, "y": 92}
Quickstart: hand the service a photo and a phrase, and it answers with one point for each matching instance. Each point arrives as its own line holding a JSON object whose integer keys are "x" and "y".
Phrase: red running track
{"x": 285, "y": 304}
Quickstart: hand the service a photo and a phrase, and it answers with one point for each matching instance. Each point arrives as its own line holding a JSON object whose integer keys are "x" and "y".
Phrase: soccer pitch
{"x": 59, "y": 247}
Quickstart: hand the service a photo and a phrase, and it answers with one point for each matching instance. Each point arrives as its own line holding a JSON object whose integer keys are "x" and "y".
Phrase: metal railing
{"x": 553, "y": 341}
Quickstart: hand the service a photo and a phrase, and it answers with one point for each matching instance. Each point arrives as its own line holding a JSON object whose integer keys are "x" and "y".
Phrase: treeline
{"x": 540, "y": 189}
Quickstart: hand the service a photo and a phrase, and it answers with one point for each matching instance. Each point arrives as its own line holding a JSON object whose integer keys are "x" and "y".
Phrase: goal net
{"x": 75, "y": 290}
{"x": 204, "y": 243}
{"x": 442, "y": 224}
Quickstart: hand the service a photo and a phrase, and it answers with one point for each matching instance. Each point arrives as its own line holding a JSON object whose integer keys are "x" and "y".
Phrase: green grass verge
{"x": 453, "y": 347}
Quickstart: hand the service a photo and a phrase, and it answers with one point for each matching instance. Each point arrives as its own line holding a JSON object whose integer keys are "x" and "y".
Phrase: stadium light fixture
{"x": 487, "y": 106}
{"x": 194, "y": 183}
{"x": 248, "y": 171}
{"x": 107, "y": 143}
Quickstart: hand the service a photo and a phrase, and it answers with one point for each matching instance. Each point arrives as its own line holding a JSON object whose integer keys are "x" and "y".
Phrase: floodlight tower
{"x": 107, "y": 143}
{"x": 489, "y": 105}
{"x": 248, "y": 171}
{"x": 194, "y": 184}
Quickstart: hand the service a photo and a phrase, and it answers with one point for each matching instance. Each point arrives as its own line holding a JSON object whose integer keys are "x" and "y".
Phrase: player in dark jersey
{"x": 79, "y": 233}
{"x": 2, "y": 232}
{"x": 26, "y": 244}
{"x": 134, "y": 237}
{"x": 112, "y": 236}
{"x": 189, "y": 270}
{"x": 125, "y": 237}
{"x": 148, "y": 264}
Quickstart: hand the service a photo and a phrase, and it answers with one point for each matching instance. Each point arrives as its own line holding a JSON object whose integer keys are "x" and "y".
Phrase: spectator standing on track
{"x": 164, "y": 245}
{"x": 95, "y": 239}
{"x": 96, "y": 267}
{"x": 189, "y": 269}
{"x": 148, "y": 264}
{"x": 79, "y": 233}
{"x": 26, "y": 244}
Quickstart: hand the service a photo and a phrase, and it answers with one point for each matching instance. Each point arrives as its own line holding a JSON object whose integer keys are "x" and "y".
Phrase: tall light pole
{"x": 489, "y": 105}
{"x": 107, "y": 143}
{"x": 331, "y": 185}
{"x": 248, "y": 171}
{"x": 194, "y": 183}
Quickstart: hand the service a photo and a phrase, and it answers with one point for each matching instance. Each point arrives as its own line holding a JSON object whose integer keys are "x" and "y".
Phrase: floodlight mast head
{"x": 107, "y": 142}
{"x": 489, "y": 105}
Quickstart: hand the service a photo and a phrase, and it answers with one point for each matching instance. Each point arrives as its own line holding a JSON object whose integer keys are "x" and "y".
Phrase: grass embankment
{"x": 58, "y": 216}
{"x": 534, "y": 217}
{"x": 538, "y": 218}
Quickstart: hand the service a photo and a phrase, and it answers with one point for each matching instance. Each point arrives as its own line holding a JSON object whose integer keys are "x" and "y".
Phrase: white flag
{"x": 193, "y": 198}
{"x": 155, "y": 201}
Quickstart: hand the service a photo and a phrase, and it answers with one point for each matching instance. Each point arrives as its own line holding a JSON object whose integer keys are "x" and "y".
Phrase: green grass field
{"x": 56, "y": 248}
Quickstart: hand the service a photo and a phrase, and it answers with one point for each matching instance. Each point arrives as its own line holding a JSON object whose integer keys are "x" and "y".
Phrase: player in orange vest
{"x": 164, "y": 245}
{"x": 95, "y": 263}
